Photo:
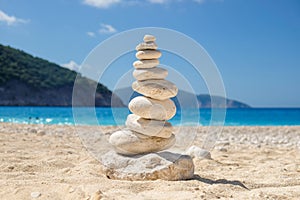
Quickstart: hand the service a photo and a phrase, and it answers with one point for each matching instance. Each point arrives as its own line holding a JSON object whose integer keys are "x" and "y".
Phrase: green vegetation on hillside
{"x": 36, "y": 72}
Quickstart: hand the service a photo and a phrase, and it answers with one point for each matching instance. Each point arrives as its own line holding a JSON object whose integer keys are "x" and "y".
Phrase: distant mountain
{"x": 30, "y": 81}
{"x": 205, "y": 102}
{"x": 187, "y": 100}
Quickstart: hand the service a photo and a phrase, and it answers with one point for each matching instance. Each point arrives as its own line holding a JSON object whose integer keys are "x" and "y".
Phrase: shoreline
{"x": 288, "y": 136}
{"x": 175, "y": 125}
{"x": 248, "y": 163}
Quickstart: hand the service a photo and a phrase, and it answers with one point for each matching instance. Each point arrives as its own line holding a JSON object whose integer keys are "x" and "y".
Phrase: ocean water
{"x": 117, "y": 116}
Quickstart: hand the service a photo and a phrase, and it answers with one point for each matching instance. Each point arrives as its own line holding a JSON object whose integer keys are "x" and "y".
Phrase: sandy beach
{"x": 50, "y": 162}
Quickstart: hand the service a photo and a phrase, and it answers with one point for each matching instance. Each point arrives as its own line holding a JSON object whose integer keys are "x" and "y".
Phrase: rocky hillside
{"x": 30, "y": 81}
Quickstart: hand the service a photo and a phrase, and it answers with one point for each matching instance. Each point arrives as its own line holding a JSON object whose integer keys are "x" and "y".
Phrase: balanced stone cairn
{"x": 147, "y": 129}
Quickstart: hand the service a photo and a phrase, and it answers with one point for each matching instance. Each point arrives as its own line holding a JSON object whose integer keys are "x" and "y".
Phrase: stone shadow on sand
{"x": 219, "y": 181}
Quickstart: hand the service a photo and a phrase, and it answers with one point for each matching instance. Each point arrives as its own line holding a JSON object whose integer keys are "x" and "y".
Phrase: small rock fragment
{"x": 35, "y": 194}
{"x": 97, "y": 196}
{"x": 197, "y": 152}
{"x": 71, "y": 190}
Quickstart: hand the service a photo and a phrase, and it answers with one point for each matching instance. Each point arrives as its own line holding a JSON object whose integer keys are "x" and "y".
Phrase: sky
{"x": 255, "y": 44}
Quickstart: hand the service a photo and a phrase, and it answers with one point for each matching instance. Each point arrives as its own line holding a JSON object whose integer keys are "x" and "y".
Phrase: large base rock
{"x": 163, "y": 165}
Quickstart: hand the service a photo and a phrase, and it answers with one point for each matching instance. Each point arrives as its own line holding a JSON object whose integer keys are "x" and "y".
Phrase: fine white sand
{"x": 52, "y": 163}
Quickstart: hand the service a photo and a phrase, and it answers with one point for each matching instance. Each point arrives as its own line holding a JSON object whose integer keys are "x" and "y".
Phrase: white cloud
{"x": 91, "y": 34}
{"x": 72, "y": 65}
{"x": 101, "y": 3}
{"x": 107, "y": 29}
{"x": 108, "y": 3}
{"x": 158, "y": 1}
{"x": 10, "y": 20}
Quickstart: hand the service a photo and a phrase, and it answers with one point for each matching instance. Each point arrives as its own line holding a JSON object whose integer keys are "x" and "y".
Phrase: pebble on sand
{"x": 35, "y": 194}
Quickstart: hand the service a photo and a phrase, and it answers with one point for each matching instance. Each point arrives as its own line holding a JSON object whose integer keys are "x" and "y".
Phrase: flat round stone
{"x": 150, "y": 73}
{"x": 142, "y": 64}
{"x": 156, "y": 89}
{"x": 146, "y": 46}
{"x": 128, "y": 142}
{"x": 149, "y": 127}
{"x": 149, "y": 38}
{"x": 148, "y": 54}
{"x": 148, "y": 108}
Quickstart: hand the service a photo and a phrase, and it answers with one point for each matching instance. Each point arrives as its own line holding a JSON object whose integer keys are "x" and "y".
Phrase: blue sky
{"x": 255, "y": 44}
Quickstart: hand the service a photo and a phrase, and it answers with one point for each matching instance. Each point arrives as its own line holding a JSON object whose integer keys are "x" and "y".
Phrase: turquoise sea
{"x": 117, "y": 116}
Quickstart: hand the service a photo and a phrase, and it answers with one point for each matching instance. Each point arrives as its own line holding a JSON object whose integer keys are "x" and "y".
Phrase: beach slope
{"x": 50, "y": 162}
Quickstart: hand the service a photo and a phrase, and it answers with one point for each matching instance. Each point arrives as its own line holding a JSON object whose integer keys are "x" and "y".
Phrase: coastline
{"x": 249, "y": 162}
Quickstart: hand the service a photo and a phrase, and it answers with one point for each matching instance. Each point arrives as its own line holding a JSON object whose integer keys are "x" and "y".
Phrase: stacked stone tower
{"x": 147, "y": 128}
{"x": 136, "y": 154}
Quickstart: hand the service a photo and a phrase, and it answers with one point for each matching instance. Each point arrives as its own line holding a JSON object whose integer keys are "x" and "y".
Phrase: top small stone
{"x": 149, "y": 38}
